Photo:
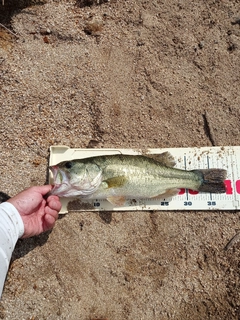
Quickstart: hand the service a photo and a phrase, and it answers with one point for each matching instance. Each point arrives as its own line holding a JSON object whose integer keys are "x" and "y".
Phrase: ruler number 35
{"x": 209, "y": 203}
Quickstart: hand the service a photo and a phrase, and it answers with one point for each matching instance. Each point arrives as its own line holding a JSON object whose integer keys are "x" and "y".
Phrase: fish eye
{"x": 68, "y": 165}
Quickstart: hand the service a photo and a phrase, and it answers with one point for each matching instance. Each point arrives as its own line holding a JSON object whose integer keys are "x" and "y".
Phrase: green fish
{"x": 120, "y": 177}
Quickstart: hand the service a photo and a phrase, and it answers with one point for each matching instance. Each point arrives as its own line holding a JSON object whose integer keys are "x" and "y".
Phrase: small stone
{"x": 45, "y": 31}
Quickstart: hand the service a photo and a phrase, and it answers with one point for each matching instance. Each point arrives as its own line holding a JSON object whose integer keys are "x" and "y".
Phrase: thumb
{"x": 43, "y": 189}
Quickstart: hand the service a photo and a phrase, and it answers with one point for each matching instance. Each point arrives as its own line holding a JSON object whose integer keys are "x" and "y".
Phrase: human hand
{"x": 38, "y": 214}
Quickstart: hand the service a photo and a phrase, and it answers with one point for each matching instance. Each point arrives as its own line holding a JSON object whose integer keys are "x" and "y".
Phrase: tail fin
{"x": 212, "y": 180}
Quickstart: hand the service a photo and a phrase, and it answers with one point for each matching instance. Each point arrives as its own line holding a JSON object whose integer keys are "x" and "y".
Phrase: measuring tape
{"x": 186, "y": 158}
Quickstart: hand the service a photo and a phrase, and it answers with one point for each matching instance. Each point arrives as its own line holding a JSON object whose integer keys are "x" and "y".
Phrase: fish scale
{"x": 227, "y": 158}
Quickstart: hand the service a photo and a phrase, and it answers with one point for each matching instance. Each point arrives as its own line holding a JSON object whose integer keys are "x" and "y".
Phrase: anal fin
{"x": 167, "y": 194}
{"x": 117, "y": 200}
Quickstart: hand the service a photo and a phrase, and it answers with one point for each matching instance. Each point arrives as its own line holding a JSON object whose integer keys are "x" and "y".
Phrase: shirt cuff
{"x": 11, "y": 229}
{"x": 11, "y": 223}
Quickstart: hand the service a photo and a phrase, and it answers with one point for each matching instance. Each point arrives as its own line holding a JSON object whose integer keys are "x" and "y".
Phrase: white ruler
{"x": 186, "y": 158}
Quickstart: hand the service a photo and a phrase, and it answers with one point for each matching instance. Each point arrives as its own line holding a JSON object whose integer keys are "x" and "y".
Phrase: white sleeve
{"x": 11, "y": 229}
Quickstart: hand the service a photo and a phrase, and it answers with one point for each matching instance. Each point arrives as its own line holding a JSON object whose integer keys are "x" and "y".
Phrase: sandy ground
{"x": 131, "y": 74}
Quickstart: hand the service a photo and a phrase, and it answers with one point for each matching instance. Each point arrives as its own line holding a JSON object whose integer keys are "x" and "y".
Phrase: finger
{"x": 50, "y": 218}
{"x": 49, "y": 222}
{"x": 51, "y": 212}
{"x": 51, "y": 197}
{"x": 54, "y": 203}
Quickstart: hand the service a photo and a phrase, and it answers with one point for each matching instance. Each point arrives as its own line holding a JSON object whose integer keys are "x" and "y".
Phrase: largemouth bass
{"x": 120, "y": 177}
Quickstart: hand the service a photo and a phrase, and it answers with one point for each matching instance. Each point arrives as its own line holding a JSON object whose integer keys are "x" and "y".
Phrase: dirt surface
{"x": 130, "y": 74}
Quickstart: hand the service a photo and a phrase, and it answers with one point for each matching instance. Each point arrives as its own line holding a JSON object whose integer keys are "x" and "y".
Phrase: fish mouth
{"x": 59, "y": 181}
{"x": 65, "y": 185}
{"x": 53, "y": 175}
{"x": 56, "y": 179}
{"x": 57, "y": 190}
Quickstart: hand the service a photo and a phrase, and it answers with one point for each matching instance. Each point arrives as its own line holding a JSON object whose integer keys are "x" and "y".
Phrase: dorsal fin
{"x": 164, "y": 158}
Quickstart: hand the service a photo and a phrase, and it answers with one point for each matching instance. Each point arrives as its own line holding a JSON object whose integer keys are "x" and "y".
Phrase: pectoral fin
{"x": 117, "y": 200}
{"x": 115, "y": 182}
